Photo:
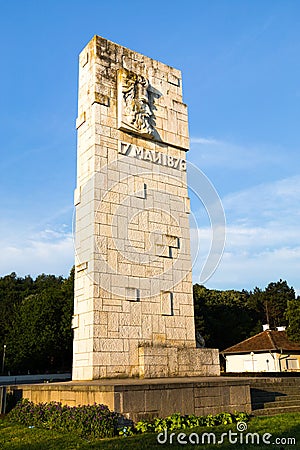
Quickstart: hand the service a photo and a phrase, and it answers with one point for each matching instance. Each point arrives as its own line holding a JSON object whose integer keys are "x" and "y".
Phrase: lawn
{"x": 18, "y": 437}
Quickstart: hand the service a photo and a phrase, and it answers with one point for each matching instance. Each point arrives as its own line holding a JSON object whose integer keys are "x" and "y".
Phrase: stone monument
{"x": 133, "y": 311}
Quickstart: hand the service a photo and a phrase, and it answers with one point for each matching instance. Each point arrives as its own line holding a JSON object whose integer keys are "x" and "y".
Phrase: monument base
{"x": 137, "y": 399}
{"x": 159, "y": 361}
{"x": 154, "y": 361}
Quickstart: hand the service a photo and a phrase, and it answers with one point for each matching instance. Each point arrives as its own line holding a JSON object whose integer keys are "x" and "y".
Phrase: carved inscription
{"x": 152, "y": 156}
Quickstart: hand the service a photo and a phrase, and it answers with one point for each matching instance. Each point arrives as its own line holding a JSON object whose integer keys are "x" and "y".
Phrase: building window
{"x": 292, "y": 364}
{"x": 168, "y": 247}
{"x": 140, "y": 188}
{"x": 132, "y": 294}
{"x": 167, "y": 308}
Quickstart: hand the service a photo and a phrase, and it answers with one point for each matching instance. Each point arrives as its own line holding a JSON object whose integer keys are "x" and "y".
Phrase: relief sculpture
{"x": 135, "y": 111}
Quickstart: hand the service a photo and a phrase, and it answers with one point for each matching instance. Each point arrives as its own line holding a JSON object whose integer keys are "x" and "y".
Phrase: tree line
{"x": 35, "y": 323}
{"x": 224, "y": 318}
{"x": 36, "y": 316}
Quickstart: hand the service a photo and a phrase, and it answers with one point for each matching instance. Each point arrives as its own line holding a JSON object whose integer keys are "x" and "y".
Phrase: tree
{"x": 293, "y": 318}
{"x": 270, "y": 304}
{"x": 222, "y": 317}
{"x": 40, "y": 338}
{"x": 225, "y": 318}
{"x": 277, "y": 296}
{"x": 12, "y": 291}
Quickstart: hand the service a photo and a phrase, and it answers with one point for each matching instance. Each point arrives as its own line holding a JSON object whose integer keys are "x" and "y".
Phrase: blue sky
{"x": 241, "y": 81}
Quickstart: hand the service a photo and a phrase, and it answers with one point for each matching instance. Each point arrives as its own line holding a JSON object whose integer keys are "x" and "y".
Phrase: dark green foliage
{"x": 35, "y": 323}
{"x": 293, "y": 318}
{"x": 225, "y": 318}
{"x": 277, "y": 296}
{"x": 12, "y": 291}
{"x": 91, "y": 421}
{"x": 271, "y": 304}
{"x": 35, "y": 318}
{"x": 97, "y": 421}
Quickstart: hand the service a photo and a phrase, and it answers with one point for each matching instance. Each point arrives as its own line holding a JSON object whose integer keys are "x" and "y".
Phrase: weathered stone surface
{"x": 147, "y": 398}
{"x": 173, "y": 361}
{"x": 133, "y": 284}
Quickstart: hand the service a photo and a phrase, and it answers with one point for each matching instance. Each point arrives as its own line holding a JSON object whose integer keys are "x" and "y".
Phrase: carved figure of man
{"x": 137, "y": 103}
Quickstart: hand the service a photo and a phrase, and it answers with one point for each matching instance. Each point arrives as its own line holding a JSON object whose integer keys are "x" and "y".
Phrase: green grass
{"x": 18, "y": 437}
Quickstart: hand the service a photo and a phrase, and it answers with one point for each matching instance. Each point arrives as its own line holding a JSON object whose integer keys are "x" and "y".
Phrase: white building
{"x": 268, "y": 351}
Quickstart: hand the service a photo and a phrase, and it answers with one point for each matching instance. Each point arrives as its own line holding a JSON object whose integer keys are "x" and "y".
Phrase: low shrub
{"x": 97, "y": 421}
{"x": 177, "y": 422}
{"x": 93, "y": 421}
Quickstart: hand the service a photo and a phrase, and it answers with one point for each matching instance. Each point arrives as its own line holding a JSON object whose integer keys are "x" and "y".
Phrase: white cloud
{"x": 205, "y": 141}
{"x": 49, "y": 251}
{"x": 245, "y": 270}
{"x": 262, "y": 237}
{"x": 252, "y": 257}
{"x": 221, "y": 153}
{"x": 257, "y": 238}
{"x": 277, "y": 202}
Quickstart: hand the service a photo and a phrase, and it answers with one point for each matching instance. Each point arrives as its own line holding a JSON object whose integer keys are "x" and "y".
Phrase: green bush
{"x": 97, "y": 421}
{"x": 177, "y": 422}
{"x": 93, "y": 421}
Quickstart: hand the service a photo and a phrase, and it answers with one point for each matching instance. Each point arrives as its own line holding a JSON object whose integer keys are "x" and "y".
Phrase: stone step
{"x": 275, "y": 385}
{"x": 281, "y": 401}
{"x": 275, "y": 390}
{"x": 271, "y": 396}
{"x": 258, "y": 383}
{"x": 277, "y": 395}
{"x": 274, "y": 411}
{"x": 275, "y": 404}
{"x": 274, "y": 394}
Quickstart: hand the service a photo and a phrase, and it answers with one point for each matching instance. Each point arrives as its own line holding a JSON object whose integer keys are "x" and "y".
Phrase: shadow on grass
{"x": 18, "y": 437}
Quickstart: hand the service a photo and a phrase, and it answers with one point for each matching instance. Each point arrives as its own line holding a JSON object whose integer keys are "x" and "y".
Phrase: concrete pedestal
{"x": 138, "y": 399}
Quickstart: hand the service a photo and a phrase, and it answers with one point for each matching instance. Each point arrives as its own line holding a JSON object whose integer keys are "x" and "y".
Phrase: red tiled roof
{"x": 265, "y": 341}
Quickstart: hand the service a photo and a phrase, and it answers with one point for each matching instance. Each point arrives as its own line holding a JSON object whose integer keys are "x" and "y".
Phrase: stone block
{"x": 152, "y": 400}
{"x": 111, "y": 345}
{"x": 133, "y": 401}
{"x": 101, "y": 358}
{"x": 239, "y": 395}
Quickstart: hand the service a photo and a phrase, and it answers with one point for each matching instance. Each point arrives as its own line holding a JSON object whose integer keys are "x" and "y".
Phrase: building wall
{"x": 262, "y": 362}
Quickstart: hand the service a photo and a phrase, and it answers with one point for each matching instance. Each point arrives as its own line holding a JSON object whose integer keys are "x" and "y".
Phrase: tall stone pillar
{"x": 133, "y": 312}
